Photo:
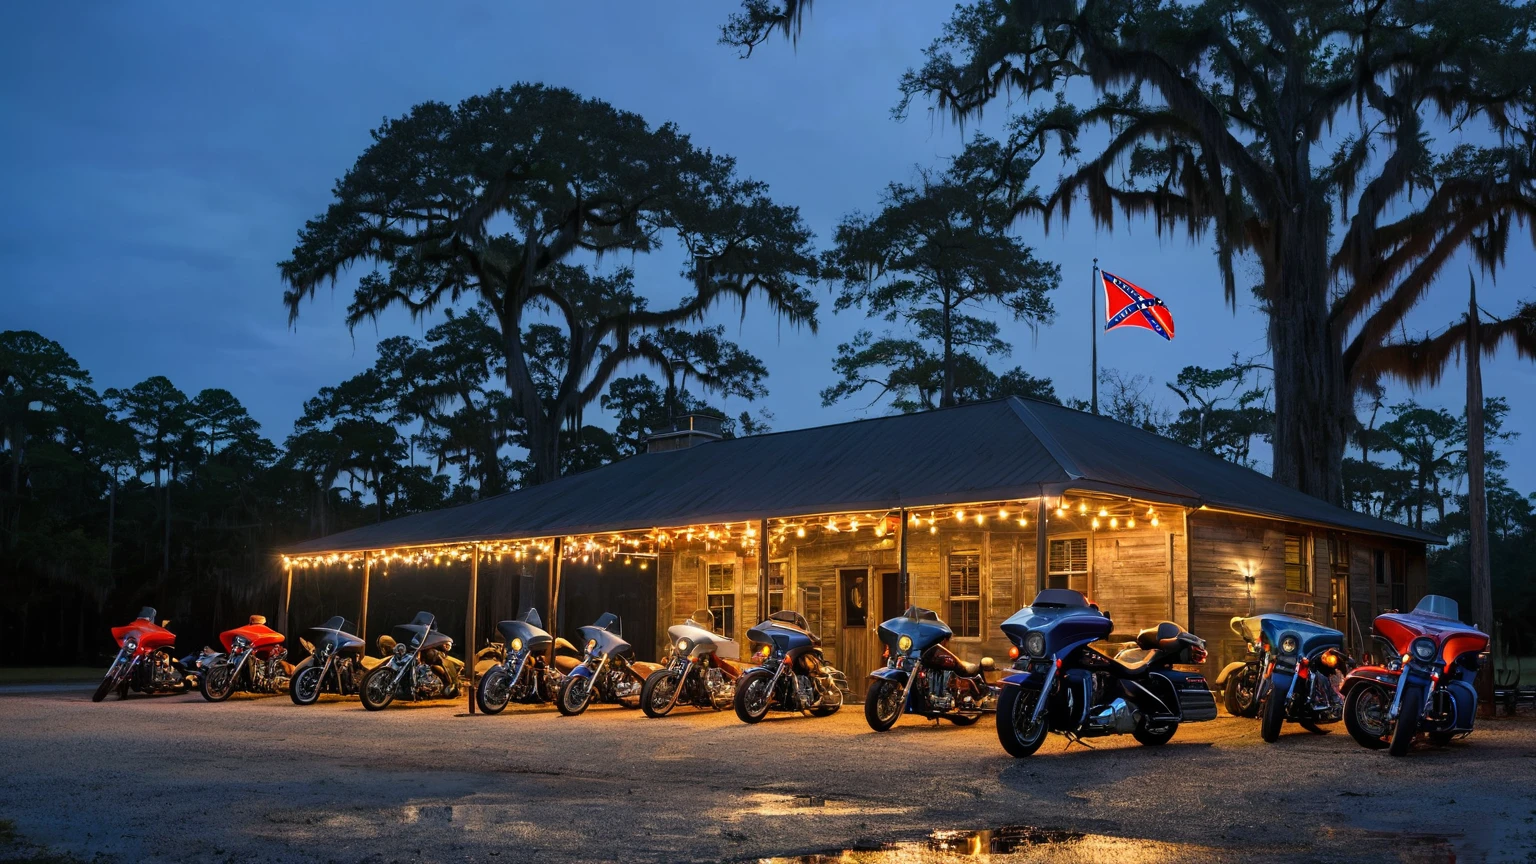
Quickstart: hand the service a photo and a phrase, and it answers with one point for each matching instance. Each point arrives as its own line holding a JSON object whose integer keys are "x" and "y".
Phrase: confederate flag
{"x": 1125, "y": 305}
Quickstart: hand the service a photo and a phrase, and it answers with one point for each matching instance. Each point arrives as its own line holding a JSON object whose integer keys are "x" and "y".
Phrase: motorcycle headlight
{"x": 1423, "y": 648}
{"x": 517, "y": 645}
{"x": 591, "y": 644}
{"x": 904, "y": 644}
{"x": 1034, "y": 644}
{"x": 130, "y": 645}
{"x": 1289, "y": 644}
{"x": 682, "y": 646}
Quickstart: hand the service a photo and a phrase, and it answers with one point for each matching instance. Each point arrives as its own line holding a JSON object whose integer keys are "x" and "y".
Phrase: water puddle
{"x": 1015, "y": 843}
{"x": 770, "y": 804}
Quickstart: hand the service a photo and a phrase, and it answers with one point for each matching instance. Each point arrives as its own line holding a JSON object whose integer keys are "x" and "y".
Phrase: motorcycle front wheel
{"x": 218, "y": 682}
{"x": 657, "y": 696}
{"x": 1408, "y": 711}
{"x": 494, "y": 692}
{"x": 108, "y": 682}
{"x": 378, "y": 689}
{"x": 882, "y": 704}
{"x": 575, "y": 694}
{"x": 1273, "y": 709}
{"x": 305, "y": 687}
{"x": 752, "y": 696}
{"x": 1239, "y": 694}
{"x": 1365, "y": 715}
{"x": 1017, "y": 735}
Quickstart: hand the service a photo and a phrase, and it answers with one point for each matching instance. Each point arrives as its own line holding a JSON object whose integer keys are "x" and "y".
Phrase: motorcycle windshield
{"x": 531, "y": 634}
{"x": 924, "y": 632}
{"x": 335, "y": 634}
{"x": 1438, "y": 606}
{"x": 781, "y": 637}
{"x": 598, "y": 640}
{"x": 1310, "y": 635}
{"x": 147, "y": 613}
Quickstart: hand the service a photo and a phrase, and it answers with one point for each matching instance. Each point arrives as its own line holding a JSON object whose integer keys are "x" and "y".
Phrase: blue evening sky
{"x": 158, "y": 158}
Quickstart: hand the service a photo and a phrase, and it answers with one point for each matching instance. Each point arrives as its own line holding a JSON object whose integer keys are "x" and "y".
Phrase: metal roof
{"x": 982, "y": 451}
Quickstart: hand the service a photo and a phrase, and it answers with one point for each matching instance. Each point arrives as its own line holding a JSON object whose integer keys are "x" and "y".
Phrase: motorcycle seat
{"x": 1134, "y": 663}
{"x": 566, "y": 664}
{"x": 1164, "y": 636}
{"x": 969, "y": 669}
{"x": 644, "y": 669}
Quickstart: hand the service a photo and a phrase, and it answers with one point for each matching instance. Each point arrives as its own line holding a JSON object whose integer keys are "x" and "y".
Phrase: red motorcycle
{"x": 253, "y": 662}
{"x": 1425, "y": 685}
{"x": 143, "y": 661}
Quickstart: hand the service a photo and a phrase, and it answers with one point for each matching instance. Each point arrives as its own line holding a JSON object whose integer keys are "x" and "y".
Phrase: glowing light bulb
{"x": 980, "y": 518}
{"x": 1103, "y": 512}
{"x": 933, "y": 529}
{"x": 800, "y": 531}
{"x": 1023, "y": 523}
{"x": 1114, "y": 523}
{"x": 831, "y": 525}
{"x": 1082, "y": 508}
{"x": 959, "y": 515}
{"x": 1002, "y": 514}
{"x": 1095, "y": 521}
{"x": 914, "y": 520}
{"x": 1130, "y": 522}
{"x": 1154, "y": 521}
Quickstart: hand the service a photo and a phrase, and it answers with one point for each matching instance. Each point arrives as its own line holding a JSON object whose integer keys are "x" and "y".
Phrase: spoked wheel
{"x": 304, "y": 689}
{"x": 752, "y": 696}
{"x": 1409, "y": 711}
{"x": 494, "y": 691}
{"x": 574, "y": 695}
{"x": 1241, "y": 693}
{"x": 882, "y": 704}
{"x": 1365, "y": 715}
{"x": 378, "y": 688}
{"x": 1017, "y": 734}
{"x": 218, "y": 681}
{"x": 657, "y": 696}
{"x": 1273, "y": 709}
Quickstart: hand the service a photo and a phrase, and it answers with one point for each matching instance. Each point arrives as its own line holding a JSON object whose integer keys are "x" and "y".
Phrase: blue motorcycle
{"x": 1062, "y": 683}
{"x": 922, "y": 676}
{"x": 1303, "y": 667}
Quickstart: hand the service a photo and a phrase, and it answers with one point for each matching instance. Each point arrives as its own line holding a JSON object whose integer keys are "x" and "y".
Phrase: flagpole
{"x": 1094, "y": 298}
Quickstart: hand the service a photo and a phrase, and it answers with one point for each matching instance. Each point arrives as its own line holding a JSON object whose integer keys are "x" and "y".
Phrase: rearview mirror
{"x": 165, "y": 623}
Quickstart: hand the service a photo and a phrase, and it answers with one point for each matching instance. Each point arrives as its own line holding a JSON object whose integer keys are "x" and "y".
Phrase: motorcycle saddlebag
{"x": 1465, "y": 698}
{"x": 1196, "y": 702}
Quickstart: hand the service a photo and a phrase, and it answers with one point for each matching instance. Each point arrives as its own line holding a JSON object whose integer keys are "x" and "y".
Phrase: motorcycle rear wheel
{"x": 1408, "y": 711}
{"x": 882, "y": 704}
{"x": 752, "y": 696}
{"x": 494, "y": 691}
{"x": 1014, "y": 708}
{"x": 1359, "y": 715}
{"x": 305, "y": 687}
{"x": 1147, "y": 736}
{"x": 218, "y": 682}
{"x": 575, "y": 694}
{"x": 656, "y": 698}
{"x": 1273, "y": 709}
{"x": 378, "y": 688}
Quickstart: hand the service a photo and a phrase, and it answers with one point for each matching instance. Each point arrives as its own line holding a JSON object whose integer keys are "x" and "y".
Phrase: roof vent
{"x": 687, "y": 430}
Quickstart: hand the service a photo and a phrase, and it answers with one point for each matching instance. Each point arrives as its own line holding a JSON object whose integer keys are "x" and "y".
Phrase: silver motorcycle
{"x": 420, "y": 668}
{"x": 699, "y": 671}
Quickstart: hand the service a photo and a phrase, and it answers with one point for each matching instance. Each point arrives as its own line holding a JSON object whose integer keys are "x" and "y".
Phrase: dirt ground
{"x": 259, "y": 779}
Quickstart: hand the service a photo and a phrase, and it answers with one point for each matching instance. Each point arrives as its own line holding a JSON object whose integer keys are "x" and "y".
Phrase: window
{"x": 1068, "y": 558}
{"x": 721, "y": 587}
{"x": 775, "y": 586}
{"x": 1380, "y": 560}
{"x": 1298, "y": 575}
{"x": 965, "y": 594}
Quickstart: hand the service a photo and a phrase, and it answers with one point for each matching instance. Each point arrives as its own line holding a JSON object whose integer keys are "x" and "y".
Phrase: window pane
{"x": 965, "y": 617}
{"x": 965, "y": 575}
{"x": 1068, "y": 555}
{"x": 1296, "y": 574}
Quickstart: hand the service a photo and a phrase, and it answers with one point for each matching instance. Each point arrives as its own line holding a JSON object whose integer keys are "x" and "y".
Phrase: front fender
{"x": 1372, "y": 675}
{"x": 1280, "y": 684}
{"x": 1021, "y": 679}
{"x": 889, "y": 674}
{"x": 582, "y": 671}
{"x": 1226, "y": 671}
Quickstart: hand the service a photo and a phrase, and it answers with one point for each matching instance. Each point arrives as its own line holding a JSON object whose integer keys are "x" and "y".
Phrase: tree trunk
{"x": 1477, "y": 499}
{"x": 165, "y": 566}
{"x": 111, "y": 519}
{"x": 947, "y": 398}
{"x": 1312, "y": 406}
{"x": 544, "y": 448}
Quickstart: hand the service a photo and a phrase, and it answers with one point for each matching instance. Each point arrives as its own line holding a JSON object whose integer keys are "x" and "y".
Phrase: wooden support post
{"x": 762, "y": 572}
{"x": 1041, "y": 545}
{"x": 282, "y": 613}
{"x": 469, "y": 624}
{"x": 906, "y": 582}
{"x": 554, "y": 593}
{"x": 362, "y": 616}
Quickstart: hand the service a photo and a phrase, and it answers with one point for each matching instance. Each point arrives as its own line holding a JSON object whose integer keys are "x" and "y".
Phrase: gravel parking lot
{"x": 175, "y": 779}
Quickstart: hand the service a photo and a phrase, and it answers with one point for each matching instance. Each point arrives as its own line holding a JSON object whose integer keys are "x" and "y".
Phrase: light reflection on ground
{"x": 1018, "y": 844}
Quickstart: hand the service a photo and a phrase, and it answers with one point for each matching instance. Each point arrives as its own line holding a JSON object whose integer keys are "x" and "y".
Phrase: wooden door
{"x": 854, "y": 605}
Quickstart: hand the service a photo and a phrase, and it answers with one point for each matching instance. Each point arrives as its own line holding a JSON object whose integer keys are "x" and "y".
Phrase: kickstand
{"x": 1074, "y": 739}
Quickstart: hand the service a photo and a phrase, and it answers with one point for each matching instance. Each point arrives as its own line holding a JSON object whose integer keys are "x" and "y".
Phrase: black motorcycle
{"x": 521, "y": 669}
{"x": 1062, "y": 684}
{"x": 419, "y": 668}
{"x": 606, "y": 674}
{"x": 921, "y": 676}
{"x": 794, "y": 675}
{"x": 334, "y": 664}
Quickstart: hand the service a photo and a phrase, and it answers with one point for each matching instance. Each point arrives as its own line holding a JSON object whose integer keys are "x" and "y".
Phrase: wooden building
{"x": 979, "y": 506}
